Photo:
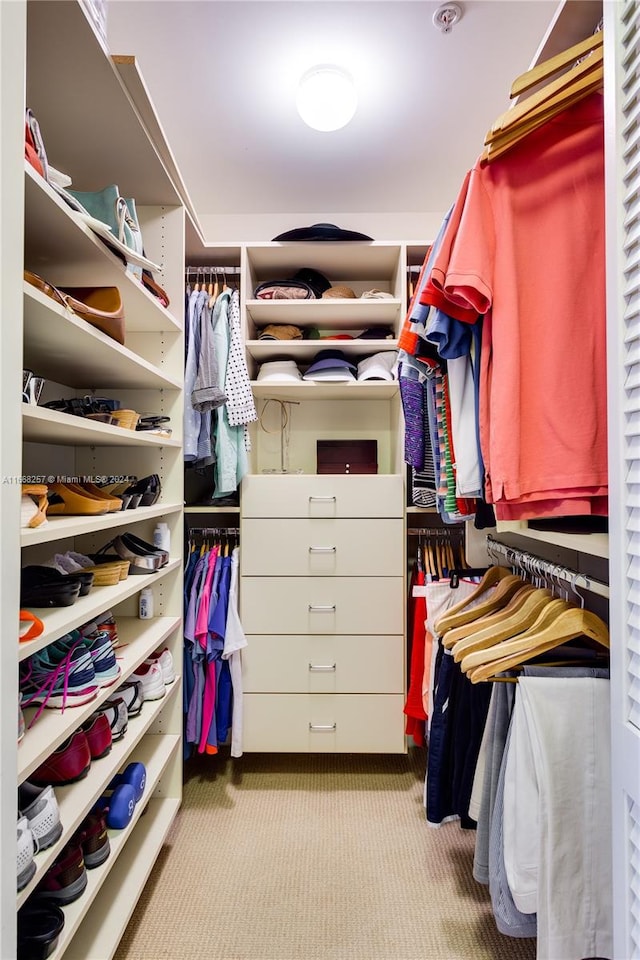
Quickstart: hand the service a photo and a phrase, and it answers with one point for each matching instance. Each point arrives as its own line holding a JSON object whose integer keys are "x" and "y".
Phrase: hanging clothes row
{"x": 219, "y": 402}
{"x": 525, "y": 758}
{"x": 213, "y": 640}
{"x": 438, "y": 556}
{"x": 498, "y": 303}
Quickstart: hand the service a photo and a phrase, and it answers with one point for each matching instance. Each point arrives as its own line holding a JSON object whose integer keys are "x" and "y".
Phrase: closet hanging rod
{"x": 530, "y": 563}
{"x": 215, "y": 531}
{"x": 200, "y": 268}
{"x": 443, "y": 532}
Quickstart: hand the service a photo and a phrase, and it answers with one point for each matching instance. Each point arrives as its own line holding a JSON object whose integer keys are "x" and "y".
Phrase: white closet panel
{"x": 622, "y": 92}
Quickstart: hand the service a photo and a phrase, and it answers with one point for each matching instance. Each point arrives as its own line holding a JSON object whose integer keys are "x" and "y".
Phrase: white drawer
{"x": 323, "y": 664}
{"x": 323, "y": 723}
{"x": 322, "y": 605}
{"x": 309, "y": 495}
{"x": 323, "y": 548}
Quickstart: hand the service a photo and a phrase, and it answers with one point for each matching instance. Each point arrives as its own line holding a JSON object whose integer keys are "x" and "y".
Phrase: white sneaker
{"x": 26, "y": 850}
{"x": 40, "y": 807}
{"x": 150, "y": 676}
{"x": 165, "y": 659}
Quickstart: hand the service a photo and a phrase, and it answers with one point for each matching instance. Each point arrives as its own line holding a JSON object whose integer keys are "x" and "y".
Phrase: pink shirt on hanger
{"x": 529, "y": 252}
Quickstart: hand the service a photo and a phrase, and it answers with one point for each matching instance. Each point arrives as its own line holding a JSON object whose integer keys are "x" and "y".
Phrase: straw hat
{"x": 340, "y": 292}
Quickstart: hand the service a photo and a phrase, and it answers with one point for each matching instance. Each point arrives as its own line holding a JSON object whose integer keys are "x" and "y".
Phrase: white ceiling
{"x": 223, "y": 74}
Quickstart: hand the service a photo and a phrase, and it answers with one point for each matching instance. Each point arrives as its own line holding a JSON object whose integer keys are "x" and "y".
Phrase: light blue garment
{"x": 192, "y": 418}
{"x": 509, "y": 920}
{"x": 204, "y": 457}
{"x": 230, "y": 451}
{"x": 420, "y": 311}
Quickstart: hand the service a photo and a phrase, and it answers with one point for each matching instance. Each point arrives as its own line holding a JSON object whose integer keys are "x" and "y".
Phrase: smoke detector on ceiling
{"x": 446, "y": 15}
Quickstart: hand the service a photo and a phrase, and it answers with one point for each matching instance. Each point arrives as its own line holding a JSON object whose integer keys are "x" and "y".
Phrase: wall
{"x": 251, "y": 228}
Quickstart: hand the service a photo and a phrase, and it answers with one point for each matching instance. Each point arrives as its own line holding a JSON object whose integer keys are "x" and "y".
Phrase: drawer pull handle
{"x": 323, "y": 727}
{"x": 322, "y": 549}
{"x": 320, "y": 608}
{"x": 323, "y": 499}
{"x": 323, "y": 667}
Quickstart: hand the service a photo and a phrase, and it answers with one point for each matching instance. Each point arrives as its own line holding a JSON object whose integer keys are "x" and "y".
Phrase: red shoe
{"x": 66, "y": 879}
{"x": 97, "y": 730}
{"x": 68, "y": 763}
{"x": 92, "y": 836}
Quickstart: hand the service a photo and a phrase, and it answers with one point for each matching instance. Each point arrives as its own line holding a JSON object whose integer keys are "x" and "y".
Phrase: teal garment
{"x": 231, "y": 455}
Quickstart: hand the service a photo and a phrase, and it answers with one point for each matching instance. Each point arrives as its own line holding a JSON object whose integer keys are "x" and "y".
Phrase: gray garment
{"x": 206, "y": 394}
{"x": 192, "y": 418}
{"x": 498, "y": 719}
{"x": 509, "y": 920}
{"x": 496, "y": 728}
{"x": 600, "y": 673}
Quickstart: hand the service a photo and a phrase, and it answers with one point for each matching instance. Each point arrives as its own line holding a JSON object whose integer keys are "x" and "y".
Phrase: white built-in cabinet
{"x": 322, "y": 590}
{"x": 93, "y": 133}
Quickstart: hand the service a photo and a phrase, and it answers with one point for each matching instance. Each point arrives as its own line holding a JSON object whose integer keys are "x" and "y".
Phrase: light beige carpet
{"x": 313, "y": 857}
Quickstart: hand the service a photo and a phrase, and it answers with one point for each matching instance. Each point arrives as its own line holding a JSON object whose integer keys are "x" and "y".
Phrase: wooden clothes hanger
{"x": 573, "y": 85}
{"x": 506, "y": 585}
{"x": 545, "y": 616}
{"x": 548, "y": 68}
{"x": 516, "y": 616}
{"x": 567, "y": 625}
{"x": 489, "y": 579}
{"x": 455, "y": 634}
{"x": 518, "y": 621}
{"x": 213, "y": 291}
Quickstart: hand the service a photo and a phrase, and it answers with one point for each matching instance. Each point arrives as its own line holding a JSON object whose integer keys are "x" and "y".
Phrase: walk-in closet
{"x": 319, "y": 501}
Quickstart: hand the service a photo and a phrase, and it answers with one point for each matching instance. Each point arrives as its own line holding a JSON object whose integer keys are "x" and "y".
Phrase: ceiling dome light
{"x": 327, "y": 97}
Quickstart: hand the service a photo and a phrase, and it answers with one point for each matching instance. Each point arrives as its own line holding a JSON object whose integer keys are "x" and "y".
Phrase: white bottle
{"x": 162, "y": 536}
{"x": 145, "y": 608}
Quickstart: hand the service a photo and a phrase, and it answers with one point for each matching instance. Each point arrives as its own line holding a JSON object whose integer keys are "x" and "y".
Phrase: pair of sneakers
{"x": 39, "y": 826}
{"x": 155, "y": 673}
{"x": 68, "y": 672}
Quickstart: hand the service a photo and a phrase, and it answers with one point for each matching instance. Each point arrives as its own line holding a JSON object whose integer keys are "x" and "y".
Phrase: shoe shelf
{"x": 194, "y": 508}
{"x": 337, "y": 314}
{"x": 100, "y": 934}
{"x": 308, "y": 390}
{"x": 137, "y": 639}
{"x": 59, "y": 528}
{"x": 76, "y": 799}
{"x": 60, "y": 232}
{"x": 155, "y": 753}
{"x": 303, "y": 351}
{"x": 42, "y": 425}
{"x": 60, "y": 620}
{"x": 71, "y": 78}
{"x": 62, "y": 347}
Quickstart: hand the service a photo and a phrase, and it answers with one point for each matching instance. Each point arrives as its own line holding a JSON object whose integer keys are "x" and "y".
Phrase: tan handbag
{"x": 100, "y": 306}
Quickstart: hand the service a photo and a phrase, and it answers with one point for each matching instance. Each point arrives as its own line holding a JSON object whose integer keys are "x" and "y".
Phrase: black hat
{"x": 321, "y": 231}
{"x": 313, "y": 278}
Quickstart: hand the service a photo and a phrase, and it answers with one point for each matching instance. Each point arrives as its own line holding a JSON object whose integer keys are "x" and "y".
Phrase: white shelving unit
{"x": 317, "y": 700}
{"x": 68, "y": 72}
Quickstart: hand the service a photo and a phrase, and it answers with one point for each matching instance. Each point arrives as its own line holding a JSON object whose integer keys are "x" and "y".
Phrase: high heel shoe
{"x": 143, "y": 556}
{"x": 148, "y": 490}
